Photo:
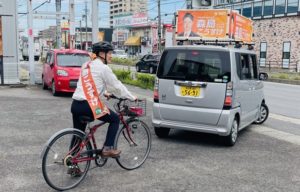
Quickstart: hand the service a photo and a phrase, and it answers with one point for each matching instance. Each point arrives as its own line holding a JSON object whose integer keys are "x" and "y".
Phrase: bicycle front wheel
{"x": 58, "y": 170}
{"x": 135, "y": 153}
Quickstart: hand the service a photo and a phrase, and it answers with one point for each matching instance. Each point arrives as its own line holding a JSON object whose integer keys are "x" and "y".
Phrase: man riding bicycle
{"x": 94, "y": 81}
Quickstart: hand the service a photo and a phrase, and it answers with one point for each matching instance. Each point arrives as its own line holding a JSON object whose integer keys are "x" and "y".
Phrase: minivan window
{"x": 246, "y": 66}
{"x": 195, "y": 65}
{"x": 72, "y": 60}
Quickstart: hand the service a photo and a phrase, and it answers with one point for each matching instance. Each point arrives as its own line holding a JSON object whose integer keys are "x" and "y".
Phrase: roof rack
{"x": 216, "y": 42}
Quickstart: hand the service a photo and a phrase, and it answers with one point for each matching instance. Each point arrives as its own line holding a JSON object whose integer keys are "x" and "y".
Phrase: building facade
{"x": 9, "y": 68}
{"x": 126, "y": 7}
{"x": 276, "y": 29}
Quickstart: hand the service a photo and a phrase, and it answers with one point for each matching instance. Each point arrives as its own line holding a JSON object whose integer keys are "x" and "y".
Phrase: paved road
{"x": 264, "y": 159}
{"x": 283, "y": 99}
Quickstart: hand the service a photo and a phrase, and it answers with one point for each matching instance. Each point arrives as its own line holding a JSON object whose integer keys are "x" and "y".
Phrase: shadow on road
{"x": 203, "y": 139}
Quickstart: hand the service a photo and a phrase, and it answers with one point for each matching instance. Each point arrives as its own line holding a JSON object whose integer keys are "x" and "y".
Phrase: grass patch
{"x": 145, "y": 81}
{"x": 119, "y": 61}
{"x": 288, "y": 76}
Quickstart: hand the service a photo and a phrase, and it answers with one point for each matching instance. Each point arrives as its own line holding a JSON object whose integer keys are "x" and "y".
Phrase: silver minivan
{"x": 210, "y": 89}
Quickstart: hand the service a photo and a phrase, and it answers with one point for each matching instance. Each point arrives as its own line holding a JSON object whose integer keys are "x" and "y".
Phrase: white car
{"x": 120, "y": 54}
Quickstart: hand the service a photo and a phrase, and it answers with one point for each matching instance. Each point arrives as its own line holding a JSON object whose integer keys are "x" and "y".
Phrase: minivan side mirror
{"x": 263, "y": 76}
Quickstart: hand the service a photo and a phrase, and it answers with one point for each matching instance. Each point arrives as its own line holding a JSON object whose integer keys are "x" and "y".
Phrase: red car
{"x": 62, "y": 68}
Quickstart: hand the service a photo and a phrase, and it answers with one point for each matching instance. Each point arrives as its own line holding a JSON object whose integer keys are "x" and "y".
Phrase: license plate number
{"x": 190, "y": 91}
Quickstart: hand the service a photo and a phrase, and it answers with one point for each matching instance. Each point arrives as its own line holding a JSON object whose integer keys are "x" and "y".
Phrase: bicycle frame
{"x": 90, "y": 137}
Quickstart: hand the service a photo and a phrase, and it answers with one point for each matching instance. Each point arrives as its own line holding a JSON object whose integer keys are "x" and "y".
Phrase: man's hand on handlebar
{"x": 108, "y": 95}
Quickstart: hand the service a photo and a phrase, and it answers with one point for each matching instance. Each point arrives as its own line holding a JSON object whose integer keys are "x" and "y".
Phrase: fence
{"x": 277, "y": 66}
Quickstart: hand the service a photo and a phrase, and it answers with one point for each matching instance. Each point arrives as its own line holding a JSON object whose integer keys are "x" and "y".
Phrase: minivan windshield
{"x": 72, "y": 60}
{"x": 195, "y": 65}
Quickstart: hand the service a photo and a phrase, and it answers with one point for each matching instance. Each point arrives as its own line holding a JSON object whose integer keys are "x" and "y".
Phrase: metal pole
{"x": 30, "y": 43}
{"x": 58, "y": 20}
{"x": 86, "y": 35}
{"x": 159, "y": 27}
{"x": 80, "y": 34}
{"x": 66, "y": 39}
{"x": 94, "y": 21}
{"x": 72, "y": 24}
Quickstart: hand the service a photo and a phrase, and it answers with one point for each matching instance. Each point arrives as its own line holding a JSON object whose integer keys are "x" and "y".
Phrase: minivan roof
{"x": 212, "y": 48}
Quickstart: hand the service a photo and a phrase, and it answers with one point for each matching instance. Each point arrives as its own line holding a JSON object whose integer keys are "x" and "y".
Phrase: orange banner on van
{"x": 213, "y": 24}
{"x": 241, "y": 28}
{"x": 202, "y": 24}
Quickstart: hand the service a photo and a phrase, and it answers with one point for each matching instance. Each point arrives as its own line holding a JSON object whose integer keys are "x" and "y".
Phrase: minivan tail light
{"x": 228, "y": 96}
{"x": 155, "y": 92}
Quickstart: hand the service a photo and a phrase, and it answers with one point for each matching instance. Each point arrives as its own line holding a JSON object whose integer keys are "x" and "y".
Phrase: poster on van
{"x": 213, "y": 24}
{"x": 241, "y": 28}
{"x": 202, "y": 24}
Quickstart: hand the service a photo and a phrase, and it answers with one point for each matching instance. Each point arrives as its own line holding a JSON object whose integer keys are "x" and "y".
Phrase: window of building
{"x": 286, "y": 54}
{"x": 268, "y": 8}
{"x": 238, "y": 8}
{"x": 247, "y": 10}
{"x": 263, "y": 54}
{"x": 279, "y": 7}
{"x": 292, "y": 6}
{"x": 257, "y": 9}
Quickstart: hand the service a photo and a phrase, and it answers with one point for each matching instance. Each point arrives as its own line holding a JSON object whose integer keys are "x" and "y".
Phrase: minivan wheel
{"x": 263, "y": 114}
{"x": 54, "y": 92}
{"x": 230, "y": 140}
{"x": 161, "y": 132}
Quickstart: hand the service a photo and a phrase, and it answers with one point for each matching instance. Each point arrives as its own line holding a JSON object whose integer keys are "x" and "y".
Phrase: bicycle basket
{"x": 136, "y": 108}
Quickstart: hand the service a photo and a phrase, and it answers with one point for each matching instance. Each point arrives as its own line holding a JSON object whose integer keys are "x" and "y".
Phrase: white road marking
{"x": 284, "y": 118}
{"x": 288, "y": 137}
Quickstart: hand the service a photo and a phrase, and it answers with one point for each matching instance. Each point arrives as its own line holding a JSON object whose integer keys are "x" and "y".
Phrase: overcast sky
{"x": 167, "y": 7}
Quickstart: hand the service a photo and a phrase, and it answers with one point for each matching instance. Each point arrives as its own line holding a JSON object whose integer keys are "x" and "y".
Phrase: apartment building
{"x": 127, "y": 7}
{"x": 276, "y": 30}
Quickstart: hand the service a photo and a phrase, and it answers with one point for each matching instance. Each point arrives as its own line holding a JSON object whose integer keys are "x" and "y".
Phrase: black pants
{"x": 82, "y": 108}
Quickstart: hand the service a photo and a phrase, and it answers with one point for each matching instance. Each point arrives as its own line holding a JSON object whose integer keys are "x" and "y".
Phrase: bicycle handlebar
{"x": 122, "y": 99}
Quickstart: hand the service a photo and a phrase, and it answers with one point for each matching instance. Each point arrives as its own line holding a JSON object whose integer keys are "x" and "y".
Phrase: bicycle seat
{"x": 86, "y": 119}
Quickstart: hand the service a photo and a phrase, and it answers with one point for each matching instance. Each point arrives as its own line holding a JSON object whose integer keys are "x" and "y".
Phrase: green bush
{"x": 122, "y": 74}
{"x": 120, "y": 61}
{"x": 145, "y": 81}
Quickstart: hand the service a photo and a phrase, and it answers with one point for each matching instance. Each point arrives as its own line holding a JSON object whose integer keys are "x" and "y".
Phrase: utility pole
{"x": 58, "y": 20}
{"x": 80, "y": 34}
{"x": 159, "y": 27}
{"x": 95, "y": 29}
{"x": 30, "y": 43}
{"x": 72, "y": 24}
{"x": 86, "y": 35}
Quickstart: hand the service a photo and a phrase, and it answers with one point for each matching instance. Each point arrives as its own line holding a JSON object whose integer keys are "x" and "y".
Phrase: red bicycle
{"x": 71, "y": 150}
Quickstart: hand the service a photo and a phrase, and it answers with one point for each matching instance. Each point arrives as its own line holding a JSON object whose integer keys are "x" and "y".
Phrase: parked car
{"x": 62, "y": 69}
{"x": 148, "y": 63}
{"x": 118, "y": 53}
{"x": 208, "y": 89}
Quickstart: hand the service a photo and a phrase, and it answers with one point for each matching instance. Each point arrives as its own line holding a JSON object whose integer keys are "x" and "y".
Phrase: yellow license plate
{"x": 190, "y": 91}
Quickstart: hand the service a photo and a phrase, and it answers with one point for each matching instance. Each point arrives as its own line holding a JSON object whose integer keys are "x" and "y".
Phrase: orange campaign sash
{"x": 98, "y": 108}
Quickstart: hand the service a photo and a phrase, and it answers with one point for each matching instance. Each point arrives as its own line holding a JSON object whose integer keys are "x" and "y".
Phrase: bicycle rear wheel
{"x": 133, "y": 156}
{"x": 58, "y": 170}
